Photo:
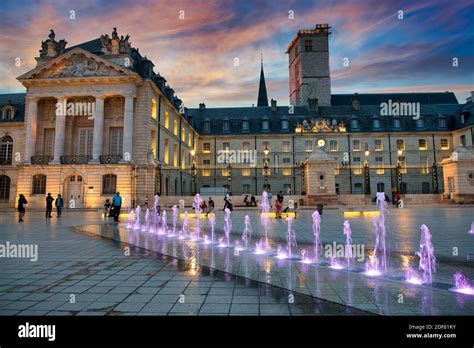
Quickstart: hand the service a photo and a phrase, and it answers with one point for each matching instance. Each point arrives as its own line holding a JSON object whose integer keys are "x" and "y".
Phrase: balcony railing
{"x": 110, "y": 159}
{"x": 75, "y": 159}
{"x": 41, "y": 160}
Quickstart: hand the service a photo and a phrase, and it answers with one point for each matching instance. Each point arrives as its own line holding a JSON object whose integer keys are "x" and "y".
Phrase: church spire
{"x": 262, "y": 89}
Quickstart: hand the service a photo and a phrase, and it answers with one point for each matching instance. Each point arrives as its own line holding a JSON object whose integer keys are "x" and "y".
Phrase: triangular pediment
{"x": 76, "y": 63}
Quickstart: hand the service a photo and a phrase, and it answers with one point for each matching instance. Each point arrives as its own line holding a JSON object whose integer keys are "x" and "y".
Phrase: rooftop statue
{"x": 115, "y": 44}
{"x": 52, "y": 48}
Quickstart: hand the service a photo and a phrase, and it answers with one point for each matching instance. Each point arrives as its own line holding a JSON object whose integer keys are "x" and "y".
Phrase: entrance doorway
{"x": 74, "y": 192}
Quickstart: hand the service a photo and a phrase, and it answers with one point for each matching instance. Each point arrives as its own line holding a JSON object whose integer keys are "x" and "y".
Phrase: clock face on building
{"x": 321, "y": 142}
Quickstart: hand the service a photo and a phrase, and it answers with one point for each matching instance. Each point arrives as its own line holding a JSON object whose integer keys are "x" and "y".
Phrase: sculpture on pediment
{"x": 115, "y": 44}
{"x": 80, "y": 67}
{"x": 52, "y": 48}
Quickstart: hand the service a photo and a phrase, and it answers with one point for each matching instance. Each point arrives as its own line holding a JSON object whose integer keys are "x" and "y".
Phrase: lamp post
{"x": 367, "y": 170}
{"x": 434, "y": 177}
{"x": 193, "y": 170}
{"x": 399, "y": 170}
{"x": 266, "y": 151}
{"x": 229, "y": 177}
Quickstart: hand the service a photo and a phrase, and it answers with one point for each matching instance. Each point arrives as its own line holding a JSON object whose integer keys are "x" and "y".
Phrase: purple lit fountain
{"x": 462, "y": 284}
{"x": 197, "y": 214}
{"x": 426, "y": 255}
{"x": 131, "y": 219}
{"x": 212, "y": 220}
{"x": 290, "y": 236}
{"x": 175, "y": 219}
{"x": 471, "y": 231}
{"x": 318, "y": 246}
{"x": 138, "y": 210}
{"x": 227, "y": 226}
{"x": 185, "y": 227}
{"x": 147, "y": 221}
{"x": 247, "y": 234}
{"x": 348, "y": 250}
{"x": 164, "y": 223}
{"x": 377, "y": 264}
{"x": 265, "y": 204}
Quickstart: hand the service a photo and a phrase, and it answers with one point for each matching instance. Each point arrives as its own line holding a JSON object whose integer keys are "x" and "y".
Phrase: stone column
{"x": 59, "y": 130}
{"x": 128, "y": 129}
{"x": 98, "y": 129}
{"x": 31, "y": 125}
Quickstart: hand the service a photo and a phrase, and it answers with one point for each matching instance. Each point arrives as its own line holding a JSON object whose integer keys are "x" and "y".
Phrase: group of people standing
{"x": 58, "y": 203}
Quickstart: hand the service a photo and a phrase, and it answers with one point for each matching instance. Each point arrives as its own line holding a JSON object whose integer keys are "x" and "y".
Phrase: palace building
{"x": 96, "y": 118}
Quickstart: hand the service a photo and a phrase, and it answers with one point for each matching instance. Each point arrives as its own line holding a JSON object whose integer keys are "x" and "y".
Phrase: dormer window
{"x": 397, "y": 123}
{"x": 207, "y": 126}
{"x": 265, "y": 125}
{"x": 284, "y": 125}
{"x": 245, "y": 125}
{"x": 442, "y": 123}
{"x": 376, "y": 123}
{"x": 463, "y": 118}
{"x": 226, "y": 125}
{"x": 8, "y": 112}
{"x": 420, "y": 123}
{"x": 354, "y": 123}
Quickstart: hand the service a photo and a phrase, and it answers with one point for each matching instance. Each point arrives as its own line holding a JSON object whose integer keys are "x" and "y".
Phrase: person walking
{"x": 280, "y": 197}
{"x": 49, "y": 205}
{"x": 211, "y": 206}
{"x": 22, "y": 202}
{"x": 59, "y": 203}
{"x": 117, "y": 204}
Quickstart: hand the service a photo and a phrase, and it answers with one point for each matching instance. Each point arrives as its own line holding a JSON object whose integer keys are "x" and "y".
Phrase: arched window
{"x": 4, "y": 188}
{"x": 109, "y": 184}
{"x": 39, "y": 184}
{"x": 6, "y": 150}
{"x": 8, "y": 112}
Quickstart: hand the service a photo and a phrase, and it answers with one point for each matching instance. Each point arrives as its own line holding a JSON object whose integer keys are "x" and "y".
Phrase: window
{"x": 308, "y": 45}
{"x": 463, "y": 118}
{"x": 183, "y": 160}
{"x": 380, "y": 187}
{"x": 48, "y": 142}
{"x": 397, "y": 123}
{"x": 8, "y": 112}
{"x": 358, "y": 188}
{"x": 116, "y": 141}
{"x": 400, "y": 144}
{"x": 356, "y": 164}
{"x": 226, "y": 126}
{"x": 422, "y": 144}
{"x": 420, "y": 123}
{"x": 286, "y": 146}
{"x": 4, "y": 188}
{"x": 175, "y": 155}
{"x": 86, "y": 136}
{"x": 276, "y": 160}
{"x": 246, "y": 171}
{"x": 308, "y": 146}
{"x": 462, "y": 139}
{"x": 207, "y": 126}
{"x": 167, "y": 151}
{"x": 206, "y": 162}
{"x": 153, "y": 142}
{"x": 167, "y": 120}
{"x": 206, "y": 172}
{"x": 333, "y": 145}
{"x": 154, "y": 112}
{"x": 424, "y": 165}
{"x": 183, "y": 134}
{"x": 206, "y": 147}
{"x": 444, "y": 144}
{"x": 189, "y": 139}
{"x": 355, "y": 145}
{"x": 246, "y": 188}
{"x": 354, "y": 123}
{"x": 245, "y": 126}
{"x": 6, "y": 150}
{"x": 175, "y": 128}
{"x": 286, "y": 166}
{"x": 376, "y": 123}
{"x": 226, "y": 146}
{"x": 287, "y": 189}
{"x": 284, "y": 124}
{"x": 379, "y": 165}
{"x": 226, "y": 171}
{"x": 246, "y": 146}
{"x": 442, "y": 121}
{"x": 265, "y": 125}
{"x": 378, "y": 145}
{"x": 109, "y": 184}
{"x": 39, "y": 184}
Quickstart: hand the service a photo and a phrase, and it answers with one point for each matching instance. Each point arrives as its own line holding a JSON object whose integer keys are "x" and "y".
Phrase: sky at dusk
{"x": 196, "y": 54}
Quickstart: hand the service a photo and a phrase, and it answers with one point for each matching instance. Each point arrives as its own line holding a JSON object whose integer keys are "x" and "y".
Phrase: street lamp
{"x": 229, "y": 177}
{"x": 399, "y": 170}
{"x": 266, "y": 151}
{"x": 193, "y": 170}
{"x": 367, "y": 170}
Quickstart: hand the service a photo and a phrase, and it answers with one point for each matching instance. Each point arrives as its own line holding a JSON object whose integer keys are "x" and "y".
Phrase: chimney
{"x": 202, "y": 106}
{"x": 273, "y": 104}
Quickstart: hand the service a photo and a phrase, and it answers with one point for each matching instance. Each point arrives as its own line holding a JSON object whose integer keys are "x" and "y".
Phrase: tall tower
{"x": 310, "y": 77}
{"x": 262, "y": 99}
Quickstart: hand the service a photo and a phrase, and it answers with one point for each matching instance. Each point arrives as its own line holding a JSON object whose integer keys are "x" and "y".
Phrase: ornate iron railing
{"x": 75, "y": 159}
{"x": 110, "y": 159}
{"x": 41, "y": 160}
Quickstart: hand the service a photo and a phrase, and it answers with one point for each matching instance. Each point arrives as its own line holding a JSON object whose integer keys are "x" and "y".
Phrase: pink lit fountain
{"x": 462, "y": 284}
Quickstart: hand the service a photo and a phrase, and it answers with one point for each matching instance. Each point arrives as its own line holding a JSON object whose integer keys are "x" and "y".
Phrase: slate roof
{"x": 377, "y": 98}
